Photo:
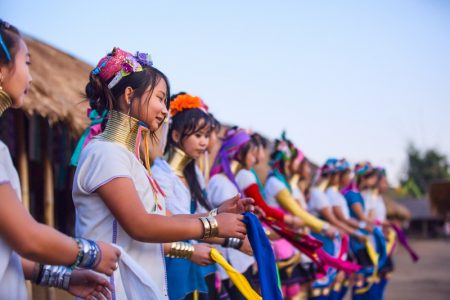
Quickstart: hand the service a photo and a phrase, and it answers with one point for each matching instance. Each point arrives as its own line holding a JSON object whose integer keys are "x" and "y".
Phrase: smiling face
{"x": 151, "y": 108}
{"x": 16, "y": 77}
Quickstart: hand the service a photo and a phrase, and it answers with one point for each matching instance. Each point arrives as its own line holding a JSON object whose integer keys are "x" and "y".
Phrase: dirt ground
{"x": 428, "y": 279}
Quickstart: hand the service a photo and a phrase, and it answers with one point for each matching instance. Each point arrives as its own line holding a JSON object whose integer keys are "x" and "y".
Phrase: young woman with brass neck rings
{"x": 116, "y": 197}
{"x": 20, "y": 234}
{"x": 180, "y": 178}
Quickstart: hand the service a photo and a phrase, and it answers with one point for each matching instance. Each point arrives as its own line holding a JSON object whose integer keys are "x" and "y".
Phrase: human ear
{"x": 175, "y": 136}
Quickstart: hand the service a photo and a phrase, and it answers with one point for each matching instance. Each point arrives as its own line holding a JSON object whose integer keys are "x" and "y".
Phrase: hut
{"x": 42, "y": 135}
{"x": 439, "y": 197}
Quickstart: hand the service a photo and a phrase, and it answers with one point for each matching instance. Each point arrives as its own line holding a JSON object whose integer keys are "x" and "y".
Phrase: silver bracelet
{"x": 214, "y": 212}
{"x": 55, "y": 276}
{"x": 89, "y": 254}
{"x": 233, "y": 243}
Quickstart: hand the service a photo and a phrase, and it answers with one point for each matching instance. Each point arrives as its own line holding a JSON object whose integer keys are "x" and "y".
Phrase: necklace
{"x": 5, "y": 101}
{"x": 129, "y": 132}
{"x": 178, "y": 161}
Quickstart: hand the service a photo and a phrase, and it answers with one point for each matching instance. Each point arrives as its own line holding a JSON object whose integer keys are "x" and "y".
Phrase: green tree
{"x": 423, "y": 168}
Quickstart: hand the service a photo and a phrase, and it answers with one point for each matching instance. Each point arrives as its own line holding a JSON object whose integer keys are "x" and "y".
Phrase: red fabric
{"x": 252, "y": 191}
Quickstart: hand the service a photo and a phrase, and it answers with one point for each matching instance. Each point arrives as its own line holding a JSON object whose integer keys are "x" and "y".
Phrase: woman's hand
{"x": 109, "y": 260}
{"x": 331, "y": 232}
{"x": 293, "y": 222}
{"x": 202, "y": 254}
{"x": 89, "y": 285}
{"x": 231, "y": 225}
{"x": 246, "y": 247}
{"x": 237, "y": 205}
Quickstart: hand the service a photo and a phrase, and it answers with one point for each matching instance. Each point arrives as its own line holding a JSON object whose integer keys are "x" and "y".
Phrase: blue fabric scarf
{"x": 262, "y": 250}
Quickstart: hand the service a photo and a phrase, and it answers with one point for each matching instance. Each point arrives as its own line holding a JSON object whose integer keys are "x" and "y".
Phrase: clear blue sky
{"x": 345, "y": 78}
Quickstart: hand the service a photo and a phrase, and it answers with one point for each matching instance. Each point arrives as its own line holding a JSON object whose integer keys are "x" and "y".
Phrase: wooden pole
{"x": 22, "y": 164}
{"x": 48, "y": 187}
{"x": 48, "y": 180}
{"x": 22, "y": 159}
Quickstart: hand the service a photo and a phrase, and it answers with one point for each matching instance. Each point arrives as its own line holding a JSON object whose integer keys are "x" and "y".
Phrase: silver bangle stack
{"x": 89, "y": 254}
{"x": 233, "y": 243}
{"x": 53, "y": 276}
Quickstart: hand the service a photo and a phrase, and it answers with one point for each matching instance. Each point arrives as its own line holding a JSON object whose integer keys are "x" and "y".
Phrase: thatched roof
{"x": 58, "y": 84}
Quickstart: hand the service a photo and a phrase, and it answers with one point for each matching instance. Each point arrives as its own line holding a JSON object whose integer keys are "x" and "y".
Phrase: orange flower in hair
{"x": 185, "y": 101}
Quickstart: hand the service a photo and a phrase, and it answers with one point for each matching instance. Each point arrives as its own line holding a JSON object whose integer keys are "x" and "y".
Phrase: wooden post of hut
{"x": 49, "y": 204}
{"x": 22, "y": 159}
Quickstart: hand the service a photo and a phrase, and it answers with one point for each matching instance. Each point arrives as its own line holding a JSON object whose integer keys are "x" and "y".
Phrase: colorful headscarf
{"x": 231, "y": 144}
{"x": 360, "y": 169}
{"x": 342, "y": 165}
{"x": 283, "y": 151}
{"x": 94, "y": 129}
{"x": 299, "y": 155}
{"x": 118, "y": 64}
{"x": 380, "y": 171}
{"x": 363, "y": 168}
{"x": 329, "y": 167}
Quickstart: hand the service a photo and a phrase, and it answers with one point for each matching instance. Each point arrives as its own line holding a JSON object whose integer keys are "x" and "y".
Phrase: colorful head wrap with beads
{"x": 283, "y": 150}
{"x": 380, "y": 171}
{"x": 234, "y": 140}
{"x": 329, "y": 167}
{"x": 112, "y": 67}
{"x": 298, "y": 154}
{"x": 119, "y": 63}
{"x": 363, "y": 168}
{"x": 342, "y": 165}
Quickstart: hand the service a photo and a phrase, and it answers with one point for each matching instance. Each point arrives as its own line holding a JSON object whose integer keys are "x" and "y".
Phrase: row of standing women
{"x": 171, "y": 227}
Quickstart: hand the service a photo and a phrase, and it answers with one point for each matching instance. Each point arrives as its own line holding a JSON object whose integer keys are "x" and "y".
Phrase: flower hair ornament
{"x": 184, "y": 102}
{"x": 119, "y": 63}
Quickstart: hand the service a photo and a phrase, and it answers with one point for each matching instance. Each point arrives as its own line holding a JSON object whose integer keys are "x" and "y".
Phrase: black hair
{"x": 187, "y": 123}
{"x": 259, "y": 140}
{"x": 215, "y": 124}
{"x": 102, "y": 98}
{"x": 244, "y": 150}
{"x": 11, "y": 37}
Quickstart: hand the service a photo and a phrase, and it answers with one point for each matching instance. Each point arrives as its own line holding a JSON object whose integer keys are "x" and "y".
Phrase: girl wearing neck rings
{"x": 116, "y": 197}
